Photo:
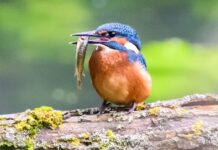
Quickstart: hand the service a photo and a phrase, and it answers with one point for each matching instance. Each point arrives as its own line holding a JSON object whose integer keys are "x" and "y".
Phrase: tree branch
{"x": 190, "y": 122}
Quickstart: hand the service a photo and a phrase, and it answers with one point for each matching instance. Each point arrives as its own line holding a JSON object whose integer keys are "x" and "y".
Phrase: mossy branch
{"x": 190, "y": 122}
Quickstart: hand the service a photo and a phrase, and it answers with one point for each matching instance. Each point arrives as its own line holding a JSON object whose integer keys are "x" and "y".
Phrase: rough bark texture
{"x": 190, "y": 122}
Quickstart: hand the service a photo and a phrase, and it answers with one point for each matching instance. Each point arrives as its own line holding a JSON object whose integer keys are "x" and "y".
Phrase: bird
{"x": 117, "y": 67}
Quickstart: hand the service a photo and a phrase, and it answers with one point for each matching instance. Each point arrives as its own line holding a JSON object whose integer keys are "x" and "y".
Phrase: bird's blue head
{"x": 114, "y": 35}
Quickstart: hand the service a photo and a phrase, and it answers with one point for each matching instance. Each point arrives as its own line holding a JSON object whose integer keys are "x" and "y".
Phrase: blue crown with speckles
{"x": 122, "y": 30}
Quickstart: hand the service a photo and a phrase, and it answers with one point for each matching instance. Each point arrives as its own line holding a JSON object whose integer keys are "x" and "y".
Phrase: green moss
{"x": 197, "y": 127}
{"x": 195, "y": 130}
{"x": 30, "y": 124}
{"x": 2, "y": 118}
{"x": 75, "y": 141}
{"x": 5, "y": 144}
{"x": 102, "y": 139}
{"x": 108, "y": 138}
{"x": 86, "y": 135}
{"x": 154, "y": 111}
{"x": 71, "y": 139}
{"x": 140, "y": 106}
{"x": 47, "y": 117}
{"x": 38, "y": 118}
{"x": 110, "y": 134}
{"x": 104, "y": 146}
{"x": 29, "y": 144}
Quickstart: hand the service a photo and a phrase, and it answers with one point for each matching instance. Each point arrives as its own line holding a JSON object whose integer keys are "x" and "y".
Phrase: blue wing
{"x": 141, "y": 59}
{"x": 133, "y": 57}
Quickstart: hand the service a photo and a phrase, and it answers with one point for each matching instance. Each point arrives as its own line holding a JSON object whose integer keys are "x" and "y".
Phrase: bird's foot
{"x": 132, "y": 108}
{"x": 104, "y": 105}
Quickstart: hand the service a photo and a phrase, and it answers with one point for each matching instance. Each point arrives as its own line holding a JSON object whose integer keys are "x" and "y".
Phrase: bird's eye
{"x": 112, "y": 34}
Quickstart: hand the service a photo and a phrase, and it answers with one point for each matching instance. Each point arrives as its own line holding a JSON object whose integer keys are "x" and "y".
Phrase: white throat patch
{"x": 132, "y": 47}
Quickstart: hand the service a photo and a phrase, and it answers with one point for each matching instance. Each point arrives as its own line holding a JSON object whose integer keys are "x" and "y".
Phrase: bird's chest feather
{"x": 113, "y": 76}
{"x": 105, "y": 62}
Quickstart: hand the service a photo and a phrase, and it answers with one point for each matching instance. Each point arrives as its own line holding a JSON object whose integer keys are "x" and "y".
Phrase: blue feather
{"x": 116, "y": 46}
{"x": 132, "y": 56}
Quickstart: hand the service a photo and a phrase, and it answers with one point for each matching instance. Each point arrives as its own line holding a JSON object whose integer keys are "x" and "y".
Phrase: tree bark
{"x": 190, "y": 122}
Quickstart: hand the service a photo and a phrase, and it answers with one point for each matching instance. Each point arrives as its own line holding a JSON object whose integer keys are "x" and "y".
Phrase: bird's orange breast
{"x": 116, "y": 79}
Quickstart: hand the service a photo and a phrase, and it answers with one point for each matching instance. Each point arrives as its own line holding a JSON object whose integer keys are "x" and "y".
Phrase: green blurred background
{"x": 37, "y": 64}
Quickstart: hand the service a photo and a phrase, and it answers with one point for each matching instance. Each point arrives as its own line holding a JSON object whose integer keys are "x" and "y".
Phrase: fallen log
{"x": 190, "y": 122}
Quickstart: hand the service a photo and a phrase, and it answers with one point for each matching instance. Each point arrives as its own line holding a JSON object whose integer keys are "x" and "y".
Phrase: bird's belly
{"x": 113, "y": 87}
{"x": 118, "y": 80}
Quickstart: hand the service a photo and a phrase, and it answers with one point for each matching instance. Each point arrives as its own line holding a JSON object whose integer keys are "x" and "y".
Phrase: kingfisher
{"x": 117, "y": 67}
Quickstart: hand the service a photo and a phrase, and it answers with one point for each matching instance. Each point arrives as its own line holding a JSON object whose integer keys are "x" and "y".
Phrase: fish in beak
{"x": 82, "y": 43}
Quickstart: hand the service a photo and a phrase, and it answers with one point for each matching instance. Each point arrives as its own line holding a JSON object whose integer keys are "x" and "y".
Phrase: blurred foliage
{"x": 179, "y": 68}
{"x": 36, "y": 62}
{"x": 38, "y": 30}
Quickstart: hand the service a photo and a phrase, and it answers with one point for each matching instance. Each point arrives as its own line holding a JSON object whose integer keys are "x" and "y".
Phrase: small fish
{"x": 80, "y": 58}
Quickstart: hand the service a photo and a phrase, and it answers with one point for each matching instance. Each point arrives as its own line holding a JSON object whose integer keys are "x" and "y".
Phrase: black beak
{"x": 87, "y": 33}
{"x": 99, "y": 40}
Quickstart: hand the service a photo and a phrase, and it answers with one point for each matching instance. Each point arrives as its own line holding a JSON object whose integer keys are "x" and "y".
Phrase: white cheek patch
{"x": 132, "y": 47}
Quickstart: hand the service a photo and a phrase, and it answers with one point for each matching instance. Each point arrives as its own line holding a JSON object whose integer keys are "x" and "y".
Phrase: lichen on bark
{"x": 190, "y": 122}
{"x": 22, "y": 130}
